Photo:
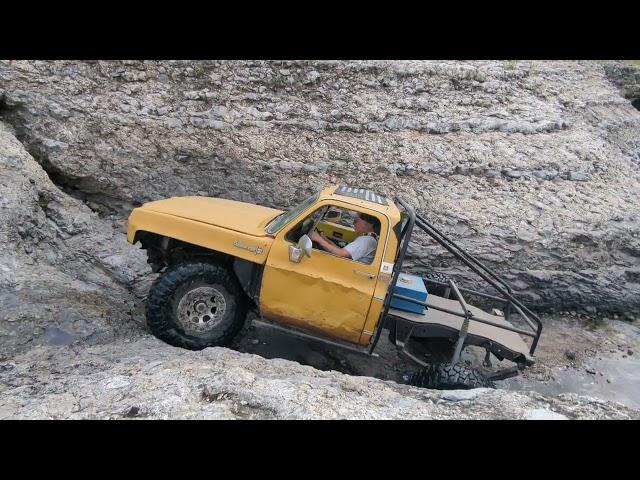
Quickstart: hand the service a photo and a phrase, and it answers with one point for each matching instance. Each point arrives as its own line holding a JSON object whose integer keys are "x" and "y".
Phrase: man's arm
{"x": 329, "y": 246}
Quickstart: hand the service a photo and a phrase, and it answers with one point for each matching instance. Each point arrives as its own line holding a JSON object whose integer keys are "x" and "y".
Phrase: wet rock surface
{"x": 532, "y": 165}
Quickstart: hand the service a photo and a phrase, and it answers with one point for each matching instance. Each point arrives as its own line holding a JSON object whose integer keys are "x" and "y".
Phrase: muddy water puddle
{"x": 616, "y": 379}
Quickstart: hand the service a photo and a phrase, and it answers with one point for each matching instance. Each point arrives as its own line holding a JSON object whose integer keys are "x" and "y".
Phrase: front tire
{"x": 196, "y": 305}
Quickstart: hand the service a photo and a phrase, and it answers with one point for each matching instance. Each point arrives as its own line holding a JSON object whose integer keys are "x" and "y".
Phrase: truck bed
{"x": 503, "y": 343}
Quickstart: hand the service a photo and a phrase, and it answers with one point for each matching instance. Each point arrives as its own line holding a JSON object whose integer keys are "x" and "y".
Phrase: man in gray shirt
{"x": 363, "y": 248}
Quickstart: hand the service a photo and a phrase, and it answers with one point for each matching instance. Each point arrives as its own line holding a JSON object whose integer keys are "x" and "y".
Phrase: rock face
{"x": 149, "y": 379}
{"x": 65, "y": 274}
{"x": 533, "y": 166}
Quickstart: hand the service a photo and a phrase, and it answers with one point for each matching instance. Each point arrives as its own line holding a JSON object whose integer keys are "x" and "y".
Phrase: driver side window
{"x": 337, "y": 225}
{"x": 306, "y": 225}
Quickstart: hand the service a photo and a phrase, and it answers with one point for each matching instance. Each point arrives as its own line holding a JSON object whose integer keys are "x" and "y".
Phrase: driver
{"x": 362, "y": 248}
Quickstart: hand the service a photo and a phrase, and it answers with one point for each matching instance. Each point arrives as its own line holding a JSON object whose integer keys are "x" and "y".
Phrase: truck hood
{"x": 229, "y": 214}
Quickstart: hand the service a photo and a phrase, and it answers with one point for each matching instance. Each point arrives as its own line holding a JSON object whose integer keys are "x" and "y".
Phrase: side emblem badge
{"x": 256, "y": 250}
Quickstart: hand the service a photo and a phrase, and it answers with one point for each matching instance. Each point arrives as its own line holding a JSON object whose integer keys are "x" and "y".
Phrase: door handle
{"x": 368, "y": 275}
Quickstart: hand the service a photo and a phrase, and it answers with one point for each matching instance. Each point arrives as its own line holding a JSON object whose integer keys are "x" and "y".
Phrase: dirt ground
{"x": 576, "y": 354}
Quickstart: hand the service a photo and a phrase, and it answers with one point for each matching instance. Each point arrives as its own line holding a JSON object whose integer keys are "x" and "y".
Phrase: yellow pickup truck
{"x": 217, "y": 258}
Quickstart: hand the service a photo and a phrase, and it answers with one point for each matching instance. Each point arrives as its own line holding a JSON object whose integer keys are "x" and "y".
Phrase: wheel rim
{"x": 200, "y": 310}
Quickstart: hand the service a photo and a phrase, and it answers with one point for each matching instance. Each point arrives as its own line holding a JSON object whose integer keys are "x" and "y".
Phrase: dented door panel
{"x": 323, "y": 293}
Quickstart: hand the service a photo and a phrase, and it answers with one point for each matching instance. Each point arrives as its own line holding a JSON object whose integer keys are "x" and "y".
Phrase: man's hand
{"x": 328, "y": 246}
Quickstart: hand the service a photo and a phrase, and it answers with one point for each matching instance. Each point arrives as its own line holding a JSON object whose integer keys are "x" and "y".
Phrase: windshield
{"x": 284, "y": 218}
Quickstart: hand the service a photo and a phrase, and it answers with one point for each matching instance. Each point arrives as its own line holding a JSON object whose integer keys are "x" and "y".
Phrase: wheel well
{"x": 163, "y": 251}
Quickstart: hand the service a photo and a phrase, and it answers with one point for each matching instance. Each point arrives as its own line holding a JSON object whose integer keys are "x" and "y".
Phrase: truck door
{"x": 324, "y": 293}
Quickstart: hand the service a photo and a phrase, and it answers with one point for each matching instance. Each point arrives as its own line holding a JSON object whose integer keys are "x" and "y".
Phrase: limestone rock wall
{"x": 533, "y": 166}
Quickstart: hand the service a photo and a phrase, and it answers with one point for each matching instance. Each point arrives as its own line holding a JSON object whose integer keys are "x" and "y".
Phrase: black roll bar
{"x": 450, "y": 245}
{"x": 485, "y": 273}
{"x": 470, "y": 261}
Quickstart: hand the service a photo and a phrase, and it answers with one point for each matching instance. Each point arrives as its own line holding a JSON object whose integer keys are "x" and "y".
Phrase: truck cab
{"x": 322, "y": 292}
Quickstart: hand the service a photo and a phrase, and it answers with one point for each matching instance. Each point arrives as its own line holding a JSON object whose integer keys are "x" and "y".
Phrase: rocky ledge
{"x": 145, "y": 378}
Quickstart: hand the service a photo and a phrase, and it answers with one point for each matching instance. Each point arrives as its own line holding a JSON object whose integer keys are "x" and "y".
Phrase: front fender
{"x": 237, "y": 244}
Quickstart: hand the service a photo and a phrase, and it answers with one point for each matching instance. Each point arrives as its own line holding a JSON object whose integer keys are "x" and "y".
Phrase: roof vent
{"x": 362, "y": 194}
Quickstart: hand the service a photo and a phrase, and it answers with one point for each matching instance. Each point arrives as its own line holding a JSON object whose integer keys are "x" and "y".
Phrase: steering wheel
{"x": 301, "y": 229}
{"x": 307, "y": 225}
{"x": 310, "y": 223}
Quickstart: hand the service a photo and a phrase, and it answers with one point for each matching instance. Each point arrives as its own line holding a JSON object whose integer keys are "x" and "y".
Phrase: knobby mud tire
{"x": 173, "y": 284}
{"x": 434, "y": 289}
{"x": 447, "y": 376}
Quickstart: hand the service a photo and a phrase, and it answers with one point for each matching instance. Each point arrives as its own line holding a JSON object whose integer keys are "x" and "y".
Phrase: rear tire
{"x": 196, "y": 305}
{"x": 447, "y": 376}
{"x": 434, "y": 289}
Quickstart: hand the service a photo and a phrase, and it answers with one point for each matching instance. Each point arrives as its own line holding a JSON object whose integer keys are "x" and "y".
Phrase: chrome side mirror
{"x": 305, "y": 244}
{"x": 304, "y": 248}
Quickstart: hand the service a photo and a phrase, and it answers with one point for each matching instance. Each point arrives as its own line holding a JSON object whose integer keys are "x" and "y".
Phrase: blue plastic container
{"x": 409, "y": 286}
